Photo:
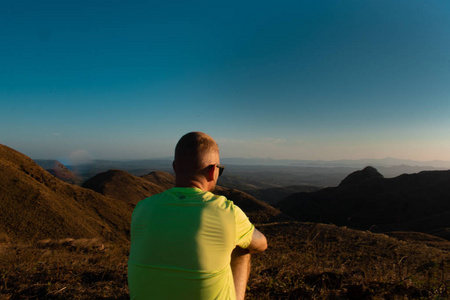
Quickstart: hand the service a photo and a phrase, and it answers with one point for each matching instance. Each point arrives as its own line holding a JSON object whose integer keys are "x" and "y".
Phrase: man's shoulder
{"x": 189, "y": 195}
{"x": 221, "y": 201}
{"x": 152, "y": 198}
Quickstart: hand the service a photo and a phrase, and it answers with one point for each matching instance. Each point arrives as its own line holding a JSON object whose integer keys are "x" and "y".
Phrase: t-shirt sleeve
{"x": 244, "y": 229}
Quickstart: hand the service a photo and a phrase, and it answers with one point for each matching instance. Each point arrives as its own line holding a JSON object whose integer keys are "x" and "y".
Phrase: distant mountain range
{"x": 366, "y": 200}
{"x": 385, "y": 162}
{"x": 37, "y": 205}
{"x": 250, "y": 174}
{"x": 65, "y": 241}
{"x": 165, "y": 164}
{"x": 126, "y": 187}
{"x": 102, "y": 206}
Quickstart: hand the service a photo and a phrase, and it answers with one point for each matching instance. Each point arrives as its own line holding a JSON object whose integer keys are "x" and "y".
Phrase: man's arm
{"x": 258, "y": 243}
{"x": 240, "y": 262}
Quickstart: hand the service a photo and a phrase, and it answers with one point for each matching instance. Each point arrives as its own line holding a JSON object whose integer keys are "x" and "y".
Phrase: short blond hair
{"x": 194, "y": 151}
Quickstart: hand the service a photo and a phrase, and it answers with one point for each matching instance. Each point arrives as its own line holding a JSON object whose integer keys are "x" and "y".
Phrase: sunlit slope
{"x": 126, "y": 187}
{"x": 163, "y": 179}
{"x": 35, "y": 205}
{"x": 123, "y": 186}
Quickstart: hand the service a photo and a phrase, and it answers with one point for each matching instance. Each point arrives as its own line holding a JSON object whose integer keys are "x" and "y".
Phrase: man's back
{"x": 181, "y": 245}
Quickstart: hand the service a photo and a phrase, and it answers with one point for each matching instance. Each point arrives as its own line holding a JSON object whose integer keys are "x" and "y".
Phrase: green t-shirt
{"x": 181, "y": 244}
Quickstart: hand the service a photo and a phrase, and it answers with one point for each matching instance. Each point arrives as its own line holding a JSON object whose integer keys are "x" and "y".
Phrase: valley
{"x": 66, "y": 238}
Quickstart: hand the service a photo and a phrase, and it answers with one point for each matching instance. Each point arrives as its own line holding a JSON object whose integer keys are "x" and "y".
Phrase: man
{"x": 187, "y": 243}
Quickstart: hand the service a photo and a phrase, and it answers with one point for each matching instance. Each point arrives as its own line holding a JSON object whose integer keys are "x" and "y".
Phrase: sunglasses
{"x": 221, "y": 168}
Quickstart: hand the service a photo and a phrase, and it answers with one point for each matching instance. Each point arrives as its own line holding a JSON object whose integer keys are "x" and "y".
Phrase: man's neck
{"x": 192, "y": 184}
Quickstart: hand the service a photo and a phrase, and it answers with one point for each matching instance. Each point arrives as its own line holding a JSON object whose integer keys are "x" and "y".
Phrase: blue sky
{"x": 286, "y": 79}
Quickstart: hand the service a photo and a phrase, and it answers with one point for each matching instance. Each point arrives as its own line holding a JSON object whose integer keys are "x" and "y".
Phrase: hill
{"x": 276, "y": 194}
{"x": 60, "y": 171}
{"x": 264, "y": 190}
{"x": 123, "y": 186}
{"x": 37, "y": 205}
{"x": 303, "y": 261}
{"x": 257, "y": 211}
{"x": 163, "y": 179}
{"x": 365, "y": 199}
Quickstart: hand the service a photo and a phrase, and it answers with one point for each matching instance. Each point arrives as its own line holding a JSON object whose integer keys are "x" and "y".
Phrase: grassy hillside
{"x": 129, "y": 188}
{"x": 318, "y": 261}
{"x": 303, "y": 261}
{"x": 36, "y": 205}
{"x": 60, "y": 241}
{"x": 122, "y": 186}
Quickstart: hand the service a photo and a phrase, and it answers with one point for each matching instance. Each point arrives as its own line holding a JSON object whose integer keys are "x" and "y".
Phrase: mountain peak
{"x": 364, "y": 174}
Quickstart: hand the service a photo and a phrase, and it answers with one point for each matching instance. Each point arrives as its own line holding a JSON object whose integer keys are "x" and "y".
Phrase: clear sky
{"x": 315, "y": 79}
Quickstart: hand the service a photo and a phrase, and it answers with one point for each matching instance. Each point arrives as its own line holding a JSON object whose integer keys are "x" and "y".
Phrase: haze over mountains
{"x": 364, "y": 199}
{"x": 37, "y": 205}
{"x": 51, "y": 230}
{"x": 357, "y": 163}
{"x": 249, "y": 174}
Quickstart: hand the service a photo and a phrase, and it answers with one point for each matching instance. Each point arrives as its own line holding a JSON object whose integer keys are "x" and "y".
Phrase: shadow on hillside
{"x": 303, "y": 261}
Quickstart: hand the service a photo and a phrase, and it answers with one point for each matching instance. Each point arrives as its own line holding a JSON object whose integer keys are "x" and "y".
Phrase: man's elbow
{"x": 260, "y": 246}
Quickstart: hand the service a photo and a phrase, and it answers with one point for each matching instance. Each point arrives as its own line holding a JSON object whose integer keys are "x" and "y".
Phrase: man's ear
{"x": 211, "y": 170}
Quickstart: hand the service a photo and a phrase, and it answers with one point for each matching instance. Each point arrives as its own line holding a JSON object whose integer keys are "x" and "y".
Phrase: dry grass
{"x": 65, "y": 269}
{"x": 305, "y": 260}
{"x": 316, "y": 261}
